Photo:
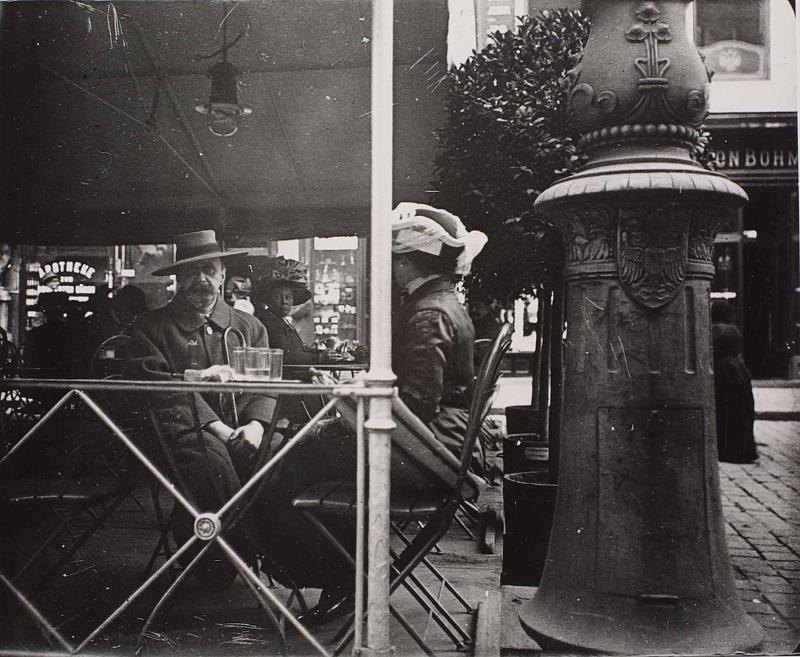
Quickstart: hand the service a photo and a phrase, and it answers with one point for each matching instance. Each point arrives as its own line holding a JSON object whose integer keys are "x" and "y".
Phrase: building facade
{"x": 751, "y": 47}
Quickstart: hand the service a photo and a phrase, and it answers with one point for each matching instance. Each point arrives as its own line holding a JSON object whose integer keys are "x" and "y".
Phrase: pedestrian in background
{"x": 733, "y": 389}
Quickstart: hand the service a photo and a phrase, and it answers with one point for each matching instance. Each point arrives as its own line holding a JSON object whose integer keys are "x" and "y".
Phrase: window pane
{"x": 730, "y": 20}
{"x": 733, "y": 35}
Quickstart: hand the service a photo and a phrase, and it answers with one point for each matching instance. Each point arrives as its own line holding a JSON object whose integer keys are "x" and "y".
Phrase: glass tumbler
{"x": 238, "y": 361}
{"x": 256, "y": 365}
{"x": 275, "y": 364}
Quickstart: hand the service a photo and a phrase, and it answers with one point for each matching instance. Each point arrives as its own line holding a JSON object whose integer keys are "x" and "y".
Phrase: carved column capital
{"x": 650, "y": 247}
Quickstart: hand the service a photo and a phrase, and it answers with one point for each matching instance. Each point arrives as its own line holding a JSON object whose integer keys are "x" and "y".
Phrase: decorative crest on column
{"x": 652, "y": 253}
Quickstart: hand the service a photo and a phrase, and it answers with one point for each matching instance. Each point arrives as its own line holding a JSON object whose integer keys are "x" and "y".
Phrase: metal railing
{"x": 208, "y": 526}
{"x": 379, "y": 379}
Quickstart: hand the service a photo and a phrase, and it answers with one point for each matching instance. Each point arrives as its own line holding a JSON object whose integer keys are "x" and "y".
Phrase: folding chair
{"x": 106, "y": 361}
{"x": 85, "y": 503}
{"x": 413, "y": 443}
{"x": 51, "y": 509}
{"x": 482, "y": 348}
{"x": 470, "y": 517}
{"x": 164, "y": 458}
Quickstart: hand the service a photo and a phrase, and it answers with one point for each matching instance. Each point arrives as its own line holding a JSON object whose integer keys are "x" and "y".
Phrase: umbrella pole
{"x": 380, "y": 375}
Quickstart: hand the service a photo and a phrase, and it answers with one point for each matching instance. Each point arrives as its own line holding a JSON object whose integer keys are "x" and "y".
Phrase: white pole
{"x": 380, "y": 424}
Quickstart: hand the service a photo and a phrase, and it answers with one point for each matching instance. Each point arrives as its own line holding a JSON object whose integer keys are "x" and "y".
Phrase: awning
{"x": 101, "y": 143}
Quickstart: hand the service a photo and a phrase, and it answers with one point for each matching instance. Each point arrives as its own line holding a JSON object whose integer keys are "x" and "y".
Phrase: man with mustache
{"x": 212, "y": 454}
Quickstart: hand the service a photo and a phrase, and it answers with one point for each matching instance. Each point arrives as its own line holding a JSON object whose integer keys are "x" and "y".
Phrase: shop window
{"x": 733, "y": 36}
{"x": 498, "y": 16}
{"x": 337, "y": 282}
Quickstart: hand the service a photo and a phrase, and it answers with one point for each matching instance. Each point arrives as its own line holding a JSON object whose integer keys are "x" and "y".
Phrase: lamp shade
{"x": 223, "y": 110}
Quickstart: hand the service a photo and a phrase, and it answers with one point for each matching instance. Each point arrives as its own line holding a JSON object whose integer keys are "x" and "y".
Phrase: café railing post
{"x": 380, "y": 424}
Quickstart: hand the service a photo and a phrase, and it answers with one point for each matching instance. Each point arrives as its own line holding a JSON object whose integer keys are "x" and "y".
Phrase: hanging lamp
{"x": 223, "y": 111}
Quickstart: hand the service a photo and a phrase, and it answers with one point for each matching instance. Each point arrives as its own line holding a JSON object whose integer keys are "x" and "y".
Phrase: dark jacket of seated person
{"x": 211, "y": 454}
{"x": 175, "y": 338}
{"x": 433, "y": 358}
{"x": 276, "y": 294}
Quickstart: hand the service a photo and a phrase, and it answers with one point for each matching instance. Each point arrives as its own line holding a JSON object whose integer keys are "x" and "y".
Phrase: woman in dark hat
{"x": 276, "y": 294}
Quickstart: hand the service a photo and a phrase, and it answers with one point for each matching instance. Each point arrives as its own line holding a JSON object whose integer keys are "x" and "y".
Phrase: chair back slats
{"x": 106, "y": 360}
{"x": 414, "y": 444}
{"x": 485, "y": 386}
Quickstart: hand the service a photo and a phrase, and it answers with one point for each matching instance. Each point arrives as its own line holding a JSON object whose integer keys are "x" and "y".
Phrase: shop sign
{"x": 755, "y": 149}
{"x": 69, "y": 275}
{"x": 67, "y": 267}
{"x": 752, "y": 158}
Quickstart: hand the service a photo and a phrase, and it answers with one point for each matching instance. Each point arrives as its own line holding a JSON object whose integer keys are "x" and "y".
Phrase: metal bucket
{"x": 528, "y": 504}
{"x": 523, "y": 452}
{"x": 522, "y": 419}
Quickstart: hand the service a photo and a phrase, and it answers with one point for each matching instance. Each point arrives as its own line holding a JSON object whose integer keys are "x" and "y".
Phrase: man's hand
{"x": 252, "y": 433}
{"x": 219, "y": 429}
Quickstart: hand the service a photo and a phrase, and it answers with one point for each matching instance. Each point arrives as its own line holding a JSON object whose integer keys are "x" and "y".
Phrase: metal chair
{"x": 106, "y": 361}
{"x": 434, "y": 509}
{"x": 52, "y": 506}
{"x": 164, "y": 458}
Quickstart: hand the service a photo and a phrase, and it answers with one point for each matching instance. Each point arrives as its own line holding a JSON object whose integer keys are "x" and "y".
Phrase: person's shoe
{"x": 330, "y": 607}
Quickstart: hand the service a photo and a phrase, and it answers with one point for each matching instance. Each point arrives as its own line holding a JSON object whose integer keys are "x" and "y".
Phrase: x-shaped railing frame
{"x": 208, "y": 526}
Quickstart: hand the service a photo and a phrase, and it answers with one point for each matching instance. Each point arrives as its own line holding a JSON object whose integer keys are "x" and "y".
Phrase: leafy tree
{"x": 508, "y": 137}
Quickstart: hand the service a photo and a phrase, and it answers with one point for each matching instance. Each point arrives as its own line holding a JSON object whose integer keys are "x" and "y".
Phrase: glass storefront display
{"x": 337, "y": 268}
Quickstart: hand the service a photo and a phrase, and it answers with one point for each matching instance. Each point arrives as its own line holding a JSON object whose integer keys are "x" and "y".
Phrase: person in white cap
{"x": 212, "y": 454}
{"x": 432, "y": 335}
{"x": 433, "y": 342}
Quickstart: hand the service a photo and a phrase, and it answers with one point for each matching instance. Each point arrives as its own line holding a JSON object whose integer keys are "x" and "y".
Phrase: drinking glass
{"x": 276, "y": 364}
{"x": 238, "y": 361}
{"x": 256, "y": 364}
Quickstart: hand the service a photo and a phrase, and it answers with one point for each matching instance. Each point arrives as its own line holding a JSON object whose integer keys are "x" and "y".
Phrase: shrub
{"x": 507, "y": 137}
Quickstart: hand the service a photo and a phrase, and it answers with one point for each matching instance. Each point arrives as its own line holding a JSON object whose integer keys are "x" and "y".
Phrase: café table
{"x": 335, "y": 369}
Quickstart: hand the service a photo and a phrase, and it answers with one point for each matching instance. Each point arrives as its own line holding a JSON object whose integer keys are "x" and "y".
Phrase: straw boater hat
{"x": 196, "y": 246}
{"x": 418, "y": 227}
{"x": 288, "y": 272}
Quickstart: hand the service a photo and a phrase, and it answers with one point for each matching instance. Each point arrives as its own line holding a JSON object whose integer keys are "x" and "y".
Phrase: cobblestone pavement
{"x": 761, "y": 504}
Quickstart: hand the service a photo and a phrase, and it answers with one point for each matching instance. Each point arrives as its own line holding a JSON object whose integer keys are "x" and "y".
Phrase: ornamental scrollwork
{"x": 650, "y": 30}
{"x": 703, "y": 227}
{"x": 590, "y": 235}
{"x": 584, "y": 99}
{"x": 696, "y": 103}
